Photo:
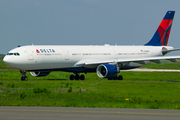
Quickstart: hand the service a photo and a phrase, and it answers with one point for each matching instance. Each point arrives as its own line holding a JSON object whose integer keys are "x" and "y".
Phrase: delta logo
{"x": 144, "y": 50}
{"x": 45, "y": 51}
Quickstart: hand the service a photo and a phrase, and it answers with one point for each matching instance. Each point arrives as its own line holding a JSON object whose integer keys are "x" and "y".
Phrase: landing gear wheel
{"x": 115, "y": 78}
{"x": 82, "y": 77}
{"x": 120, "y": 77}
{"x": 71, "y": 77}
{"x": 24, "y": 77}
{"x": 76, "y": 77}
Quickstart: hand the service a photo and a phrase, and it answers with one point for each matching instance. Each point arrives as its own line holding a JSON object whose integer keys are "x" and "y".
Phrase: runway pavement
{"x": 69, "y": 113}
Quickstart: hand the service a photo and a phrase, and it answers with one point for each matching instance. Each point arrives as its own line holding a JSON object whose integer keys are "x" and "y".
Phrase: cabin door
{"x": 30, "y": 55}
{"x": 66, "y": 55}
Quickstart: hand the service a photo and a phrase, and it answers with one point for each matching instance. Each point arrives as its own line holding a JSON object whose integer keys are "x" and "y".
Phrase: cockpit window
{"x": 16, "y": 54}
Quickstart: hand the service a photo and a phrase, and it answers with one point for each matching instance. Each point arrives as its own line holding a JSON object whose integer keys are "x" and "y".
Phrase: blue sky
{"x": 84, "y": 22}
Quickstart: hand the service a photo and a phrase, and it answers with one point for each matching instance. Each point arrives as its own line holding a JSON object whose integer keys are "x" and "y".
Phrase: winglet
{"x": 161, "y": 35}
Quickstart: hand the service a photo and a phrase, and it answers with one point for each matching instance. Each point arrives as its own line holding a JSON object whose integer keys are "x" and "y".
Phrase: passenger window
{"x": 10, "y": 53}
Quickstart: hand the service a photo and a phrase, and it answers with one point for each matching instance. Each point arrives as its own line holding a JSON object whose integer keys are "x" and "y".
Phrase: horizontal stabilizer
{"x": 170, "y": 50}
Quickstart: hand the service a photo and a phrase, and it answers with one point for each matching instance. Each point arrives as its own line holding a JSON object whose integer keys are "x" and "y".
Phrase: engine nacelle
{"x": 107, "y": 71}
{"x": 39, "y": 74}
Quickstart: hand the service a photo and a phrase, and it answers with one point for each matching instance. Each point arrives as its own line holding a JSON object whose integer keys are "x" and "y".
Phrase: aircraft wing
{"x": 127, "y": 60}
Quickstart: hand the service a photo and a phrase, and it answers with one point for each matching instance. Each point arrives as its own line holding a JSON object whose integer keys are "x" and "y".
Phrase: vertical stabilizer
{"x": 161, "y": 35}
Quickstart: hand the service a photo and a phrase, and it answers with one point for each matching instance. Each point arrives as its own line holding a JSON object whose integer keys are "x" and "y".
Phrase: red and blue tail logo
{"x": 161, "y": 36}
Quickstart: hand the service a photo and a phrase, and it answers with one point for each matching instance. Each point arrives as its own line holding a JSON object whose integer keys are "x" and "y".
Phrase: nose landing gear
{"x": 24, "y": 77}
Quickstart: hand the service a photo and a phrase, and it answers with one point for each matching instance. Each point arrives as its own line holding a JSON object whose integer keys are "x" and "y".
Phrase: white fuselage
{"x": 39, "y": 57}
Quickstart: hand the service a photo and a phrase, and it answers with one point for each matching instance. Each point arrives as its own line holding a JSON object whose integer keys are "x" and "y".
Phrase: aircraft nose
{"x": 10, "y": 61}
{"x": 7, "y": 60}
{"x": 13, "y": 61}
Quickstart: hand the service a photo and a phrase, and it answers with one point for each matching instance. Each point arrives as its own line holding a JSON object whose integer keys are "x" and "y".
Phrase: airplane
{"x": 106, "y": 60}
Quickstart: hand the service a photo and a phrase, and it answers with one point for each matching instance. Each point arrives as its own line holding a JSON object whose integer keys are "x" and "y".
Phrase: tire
{"x": 115, "y": 78}
{"x": 25, "y": 79}
{"x": 22, "y": 78}
{"x": 71, "y": 77}
{"x": 76, "y": 77}
{"x": 82, "y": 77}
{"x": 120, "y": 77}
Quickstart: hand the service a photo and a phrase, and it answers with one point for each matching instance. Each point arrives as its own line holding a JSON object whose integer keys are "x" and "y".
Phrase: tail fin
{"x": 161, "y": 36}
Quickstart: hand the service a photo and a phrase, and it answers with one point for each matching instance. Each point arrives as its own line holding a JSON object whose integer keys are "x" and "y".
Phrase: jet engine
{"x": 107, "y": 71}
{"x": 39, "y": 74}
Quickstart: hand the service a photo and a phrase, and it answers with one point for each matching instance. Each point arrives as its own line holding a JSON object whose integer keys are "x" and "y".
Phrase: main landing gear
{"x": 77, "y": 77}
{"x": 24, "y": 77}
{"x": 120, "y": 77}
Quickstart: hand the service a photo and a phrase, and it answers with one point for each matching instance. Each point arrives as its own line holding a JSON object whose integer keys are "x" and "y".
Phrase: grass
{"x": 3, "y": 66}
{"x": 163, "y": 65}
{"x": 97, "y": 93}
{"x": 16, "y": 75}
{"x": 1, "y": 57}
{"x": 154, "y": 90}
